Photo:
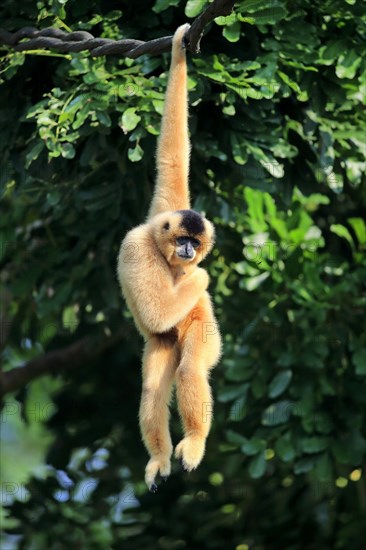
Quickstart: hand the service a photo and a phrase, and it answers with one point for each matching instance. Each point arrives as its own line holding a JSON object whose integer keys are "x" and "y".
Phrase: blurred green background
{"x": 278, "y": 163}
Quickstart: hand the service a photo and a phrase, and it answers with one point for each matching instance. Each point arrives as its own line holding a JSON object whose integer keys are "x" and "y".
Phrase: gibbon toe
{"x": 156, "y": 465}
{"x": 191, "y": 450}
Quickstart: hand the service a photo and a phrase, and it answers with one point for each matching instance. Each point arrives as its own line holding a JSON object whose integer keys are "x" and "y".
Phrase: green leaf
{"x": 238, "y": 410}
{"x": 113, "y": 15}
{"x": 359, "y": 227}
{"x": 136, "y": 154}
{"x": 342, "y": 232}
{"x": 223, "y": 20}
{"x": 290, "y": 83}
{"x": 162, "y": 5}
{"x": 232, "y": 32}
{"x": 257, "y": 466}
{"x": 80, "y": 65}
{"x": 284, "y": 448}
{"x": 33, "y": 154}
{"x": 266, "y": 16}
{"x": 76, "y": 103}
{"x": 314, "y": 444}
{"x": 323, "y": 421}
{"x": 68, "y": 151}
{"x": 130, "y": 119}
{"x": 279, "y": 383}
{"x": 229, "y": 110}
{"x": 70, "y": 319}
{"x": 340, "y": 451}
{"x": 104, "y": 118}
{"x": 356, "y": 446}
{"x": 254, "y": 200}
{"x": 253, "y": 446}
{"x": 278, "y": 413}
{"x": 348, "y": 64}
{"x": 238, "y": 372}
{"x": 258, "y": 386}
{"x": 53, "y": 198}
{"x": 234, "y": 438}
{"x": 332, "y": 51}
{"x": 229, "y": 393}
{"x": 323, "y": 467}
{"x": 359, "y": 361}
{"x": 304, "y": 465}
{"x": 194, "y": 7}
{"x": 252, "y": 283}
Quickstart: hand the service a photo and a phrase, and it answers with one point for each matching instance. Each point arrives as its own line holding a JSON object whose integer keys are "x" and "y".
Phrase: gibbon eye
{"x": 166, "y": 226}
{"x": 183, "y": 240}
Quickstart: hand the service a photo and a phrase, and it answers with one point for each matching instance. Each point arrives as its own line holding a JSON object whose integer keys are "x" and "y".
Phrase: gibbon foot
{"x": 154, "y": 488}
{"x": 190, "y": 450}
{"x": 157, "y": 464}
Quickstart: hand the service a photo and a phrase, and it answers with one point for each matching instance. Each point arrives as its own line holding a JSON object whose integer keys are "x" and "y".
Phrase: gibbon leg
{"x": 194, "y": 394}
{"x": 159, "y": 364}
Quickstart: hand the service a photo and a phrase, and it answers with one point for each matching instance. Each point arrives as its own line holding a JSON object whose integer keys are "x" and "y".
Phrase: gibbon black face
{"x": 186, "y": 247}
{"x": 193, "y": 224}
{"x": 183, "y": 236}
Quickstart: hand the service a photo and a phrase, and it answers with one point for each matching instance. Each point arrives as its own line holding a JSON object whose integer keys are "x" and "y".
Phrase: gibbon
{"x": 166, "y": 293}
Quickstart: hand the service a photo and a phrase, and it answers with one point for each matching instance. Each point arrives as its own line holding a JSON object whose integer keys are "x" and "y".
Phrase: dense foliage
{"x": 278, "y": 163}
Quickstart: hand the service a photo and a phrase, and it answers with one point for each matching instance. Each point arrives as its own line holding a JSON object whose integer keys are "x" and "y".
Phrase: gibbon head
{"x": 183, "y": 237}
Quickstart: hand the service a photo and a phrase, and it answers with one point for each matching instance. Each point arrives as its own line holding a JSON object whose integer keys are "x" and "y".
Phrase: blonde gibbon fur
{"x": 167, "y": 294}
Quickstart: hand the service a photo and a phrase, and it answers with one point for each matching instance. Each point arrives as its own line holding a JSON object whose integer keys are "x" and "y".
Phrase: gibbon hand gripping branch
{"x": 56, "y": 39}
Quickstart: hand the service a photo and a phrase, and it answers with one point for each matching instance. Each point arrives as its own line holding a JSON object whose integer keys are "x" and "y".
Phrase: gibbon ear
{"x": 208, "y": 241}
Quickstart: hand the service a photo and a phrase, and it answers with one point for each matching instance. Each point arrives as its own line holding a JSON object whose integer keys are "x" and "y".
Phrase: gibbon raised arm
{"x": 171, "y": 190}
{"x": 166, "y": 293}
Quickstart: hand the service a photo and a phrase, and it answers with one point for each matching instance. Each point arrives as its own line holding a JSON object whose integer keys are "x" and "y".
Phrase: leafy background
{"x": 278, "y": 163}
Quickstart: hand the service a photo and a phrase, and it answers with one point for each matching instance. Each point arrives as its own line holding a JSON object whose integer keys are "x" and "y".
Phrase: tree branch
{"x": 81, "y": 352}
{"x": 195, "y": 33}
{"x": 61, "y": 41}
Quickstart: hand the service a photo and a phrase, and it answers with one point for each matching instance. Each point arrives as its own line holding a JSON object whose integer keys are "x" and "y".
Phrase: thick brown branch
{"x": 61, "y": 41}
{"x": 73, "y": 356}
